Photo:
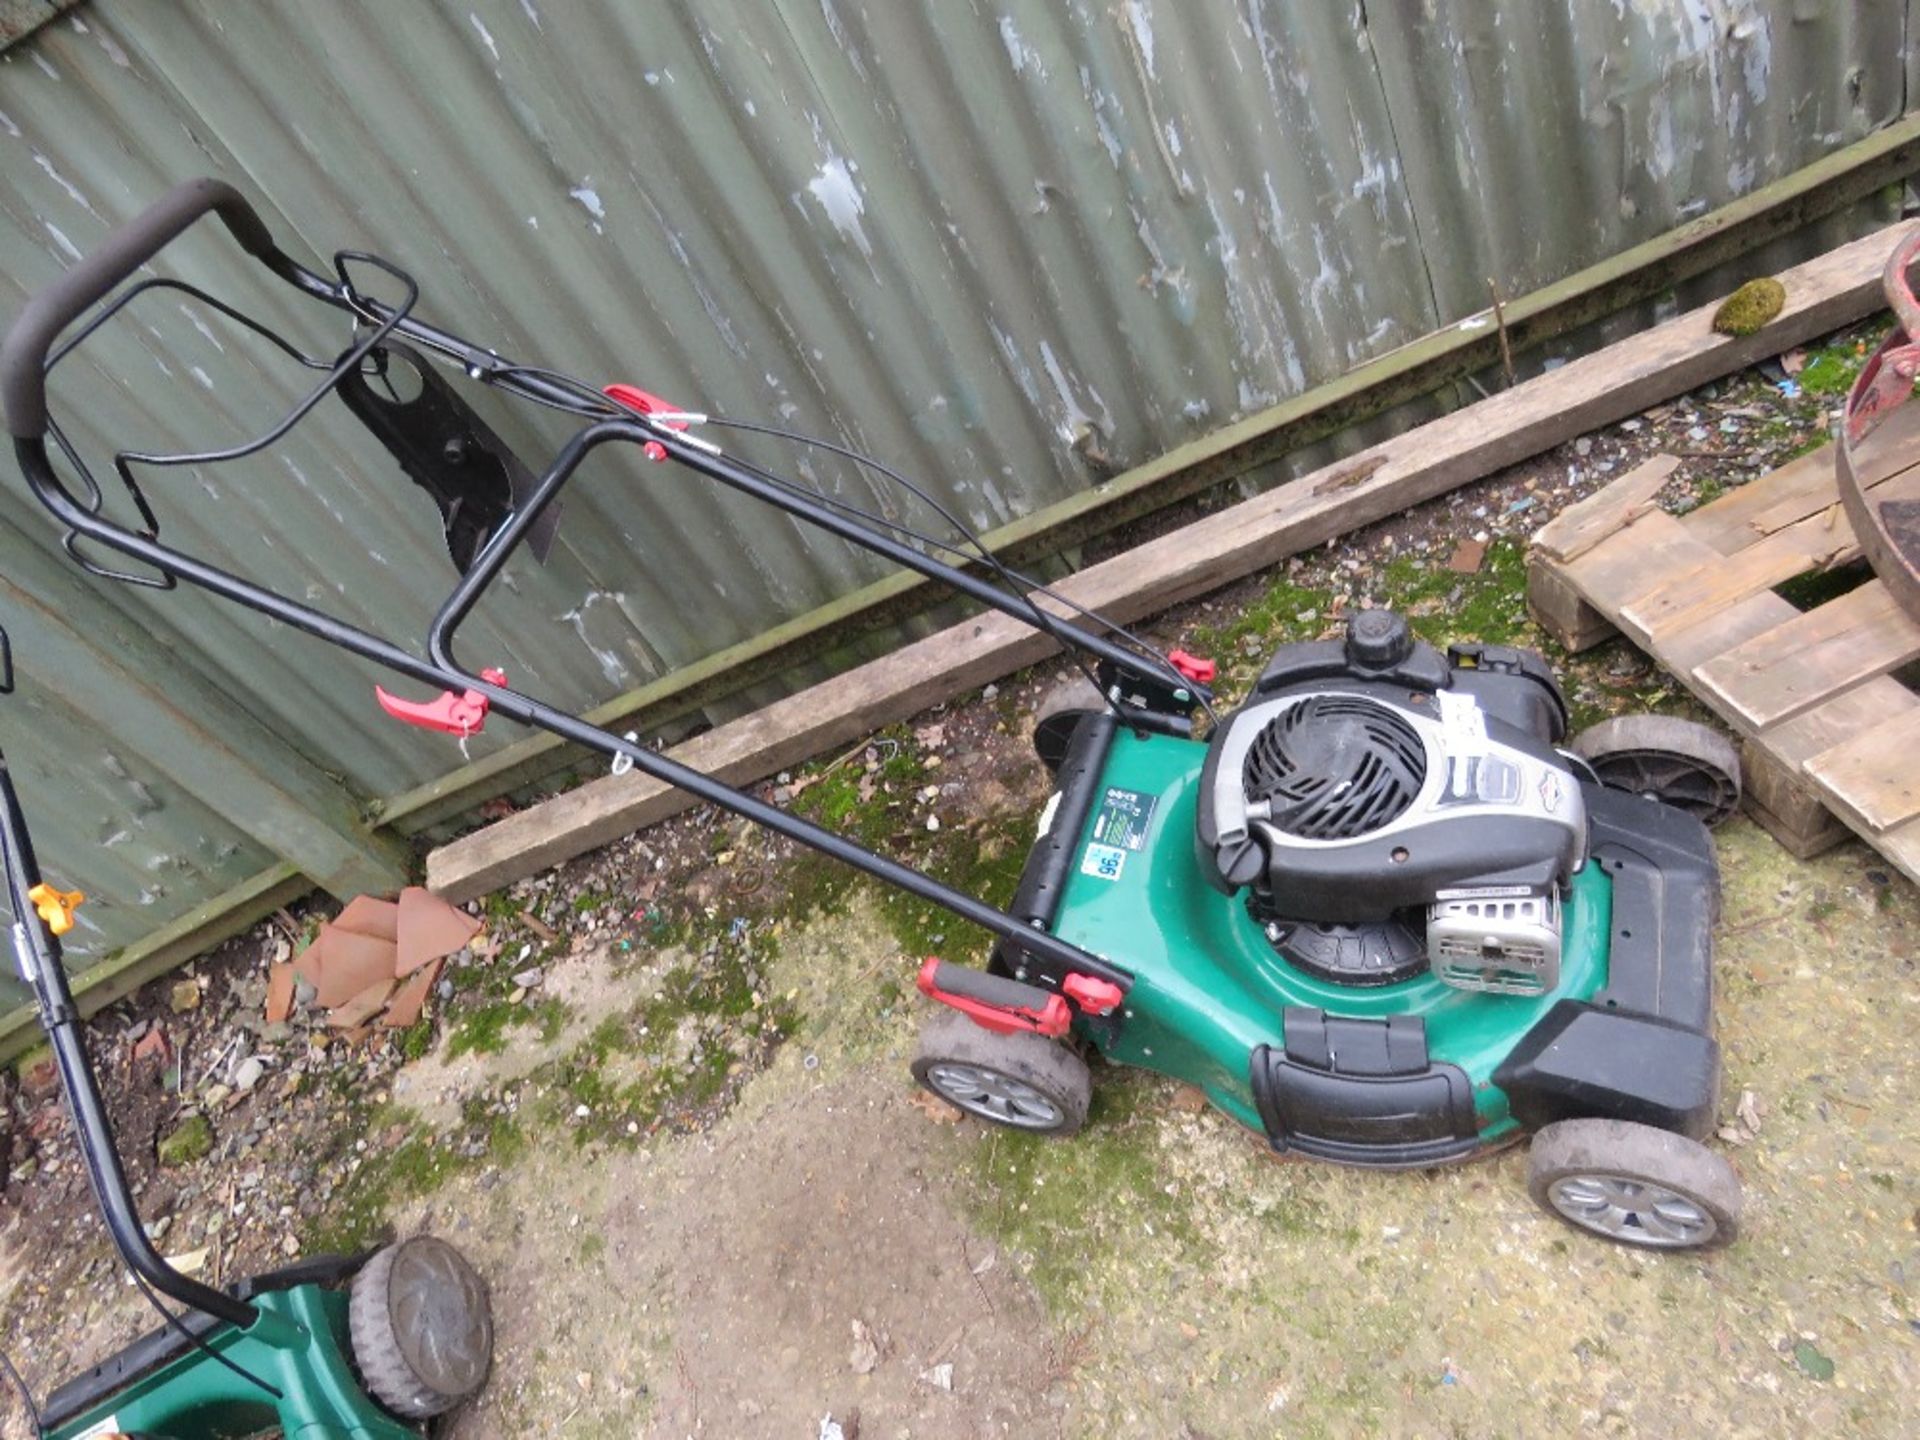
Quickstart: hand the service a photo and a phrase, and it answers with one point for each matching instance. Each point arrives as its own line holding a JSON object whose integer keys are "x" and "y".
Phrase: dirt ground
{"x": 830, "y": 1243}
{"x": 708, "y": 1201}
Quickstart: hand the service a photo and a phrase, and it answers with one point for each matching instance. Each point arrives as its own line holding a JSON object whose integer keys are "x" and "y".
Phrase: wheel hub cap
{"x": 1636, "y": 1211}
{"x": 440, "y": 1317}
{"x": 994, "y": 1096}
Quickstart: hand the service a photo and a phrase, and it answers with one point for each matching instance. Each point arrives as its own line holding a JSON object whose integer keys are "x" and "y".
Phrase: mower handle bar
{"x": 23, "y": 357}
{"x": 23, "y": 360}
{"x": 39, "y": 955}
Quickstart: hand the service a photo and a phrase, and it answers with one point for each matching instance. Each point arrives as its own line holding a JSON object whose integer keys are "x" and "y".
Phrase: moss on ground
{"x": 1055, "y": 1202}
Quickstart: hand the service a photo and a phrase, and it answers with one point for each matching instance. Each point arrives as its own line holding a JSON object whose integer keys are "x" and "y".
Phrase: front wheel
{"x": 1634, "y": 1184}
{"x": 1022, "y": 1081}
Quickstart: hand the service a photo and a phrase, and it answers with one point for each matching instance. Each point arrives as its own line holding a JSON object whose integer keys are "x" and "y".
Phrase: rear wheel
{"x": 1022, "y": 1081}
{"x": 1690, "y": 767}
{"x": 1635, "y": 1184}
{"x": 421, "y": 1327}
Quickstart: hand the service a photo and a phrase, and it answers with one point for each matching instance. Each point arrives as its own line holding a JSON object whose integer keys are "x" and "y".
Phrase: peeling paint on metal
{"x": 835, "y": 191}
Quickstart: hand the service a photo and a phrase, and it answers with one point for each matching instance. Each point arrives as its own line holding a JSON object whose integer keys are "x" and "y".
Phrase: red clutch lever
{"x": 645, "y": 402}
{"x": 463, "y": 715}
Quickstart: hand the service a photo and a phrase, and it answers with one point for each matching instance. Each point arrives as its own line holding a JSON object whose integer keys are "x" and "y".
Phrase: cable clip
{"x": 56, "y": 907}
{"x": 463, "y": 715}
{"x": 623, "y": 762}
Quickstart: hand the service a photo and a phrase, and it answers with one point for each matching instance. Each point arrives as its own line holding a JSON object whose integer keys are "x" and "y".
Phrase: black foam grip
{"x": 23, "y": 358}
{"x": 971, "y": 984}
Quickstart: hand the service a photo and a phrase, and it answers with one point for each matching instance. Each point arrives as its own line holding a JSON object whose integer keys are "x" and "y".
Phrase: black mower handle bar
{"x": 23, "y": 357}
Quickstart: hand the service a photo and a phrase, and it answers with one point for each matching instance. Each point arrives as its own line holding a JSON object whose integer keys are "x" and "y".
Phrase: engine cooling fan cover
{"x": 1333, "y": 767}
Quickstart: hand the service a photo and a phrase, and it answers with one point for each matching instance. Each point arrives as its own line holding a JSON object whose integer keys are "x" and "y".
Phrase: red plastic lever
{"x": 1096, "y": 997}
{"x": 463, "y": 714}
{"x": 1053, "y": 1019}
{"x": 645, "y": 402}
{"x": 1196, "y": 668}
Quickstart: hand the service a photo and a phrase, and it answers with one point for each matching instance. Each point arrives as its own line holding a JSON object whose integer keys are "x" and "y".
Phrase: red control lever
{"x": 645, "y": 402}
{"x": 464, "y": 714}
{"x": 1197, "y": 669}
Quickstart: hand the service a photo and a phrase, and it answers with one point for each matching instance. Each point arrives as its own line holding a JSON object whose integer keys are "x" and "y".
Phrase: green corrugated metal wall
{"x": 1000, "y": 243}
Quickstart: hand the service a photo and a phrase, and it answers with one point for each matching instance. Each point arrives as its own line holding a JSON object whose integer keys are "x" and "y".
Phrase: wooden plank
{"x": 1811, "y": 657}
{"x": 191, "y": 935}
{"x": 1806, "y": 735}
{"x": 1816, "y": 543}
{"x": 1813, "y": 832}
{"x": 1902, "y": 847}
{"x": 1803, "y": 486}
{"x": 1625, "y": 566}
{"x": 1558, "y": 609}
{"x": 1683, "y": 651}
{"x": 1823, "y": 294}
{"x": 1585, "y": 523}
{"x": 1872, "y": 778}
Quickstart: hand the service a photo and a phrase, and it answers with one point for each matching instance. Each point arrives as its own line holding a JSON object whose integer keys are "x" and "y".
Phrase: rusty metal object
{"x": 1889, "y": 529}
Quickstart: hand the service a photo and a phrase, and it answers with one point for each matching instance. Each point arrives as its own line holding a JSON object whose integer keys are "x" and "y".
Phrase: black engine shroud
{"x": 1337, "y": 773}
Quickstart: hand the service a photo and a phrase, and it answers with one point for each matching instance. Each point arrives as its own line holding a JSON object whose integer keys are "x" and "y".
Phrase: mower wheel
{"x": 1023, "y": 1081}
{"x": 1690, "y": 767}
{"x": 421, "y": 1327}
{"x": 1071, "y": 697}
{"x": 1635, "y": 1184}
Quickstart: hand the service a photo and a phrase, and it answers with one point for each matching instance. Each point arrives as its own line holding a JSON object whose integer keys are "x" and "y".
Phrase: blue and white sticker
{"x": 1103, "y": 862}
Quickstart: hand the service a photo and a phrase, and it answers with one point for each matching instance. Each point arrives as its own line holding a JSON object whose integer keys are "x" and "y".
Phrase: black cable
{"x": 33, "y": 1410}
{"x": 201, "y": 1345}
{"x": 1019, "y": 586}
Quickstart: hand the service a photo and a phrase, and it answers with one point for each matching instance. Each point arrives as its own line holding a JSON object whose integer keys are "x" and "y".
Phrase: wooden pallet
{"x": 1830, "y": 736}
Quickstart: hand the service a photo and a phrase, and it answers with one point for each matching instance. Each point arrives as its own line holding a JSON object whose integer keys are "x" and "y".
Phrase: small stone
{"x": 184, "y": 996}
{"x": 933, "y": 822}
{"x": 189, "y": 1262}
{"x": 290, "y": 1246}
{"x": 865, "y": 1354}
{"x": 191, "y": 1140}
{"x": 528, "y": 978}
{"x": 519, "y": 994}
{"x": 940, "y": 1376}
{"x": 247, "y": 1073}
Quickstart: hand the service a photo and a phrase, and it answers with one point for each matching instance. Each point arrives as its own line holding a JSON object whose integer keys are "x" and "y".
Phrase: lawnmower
{"x": 361, "y": 1347}
{"x": 1378, "y": 913}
